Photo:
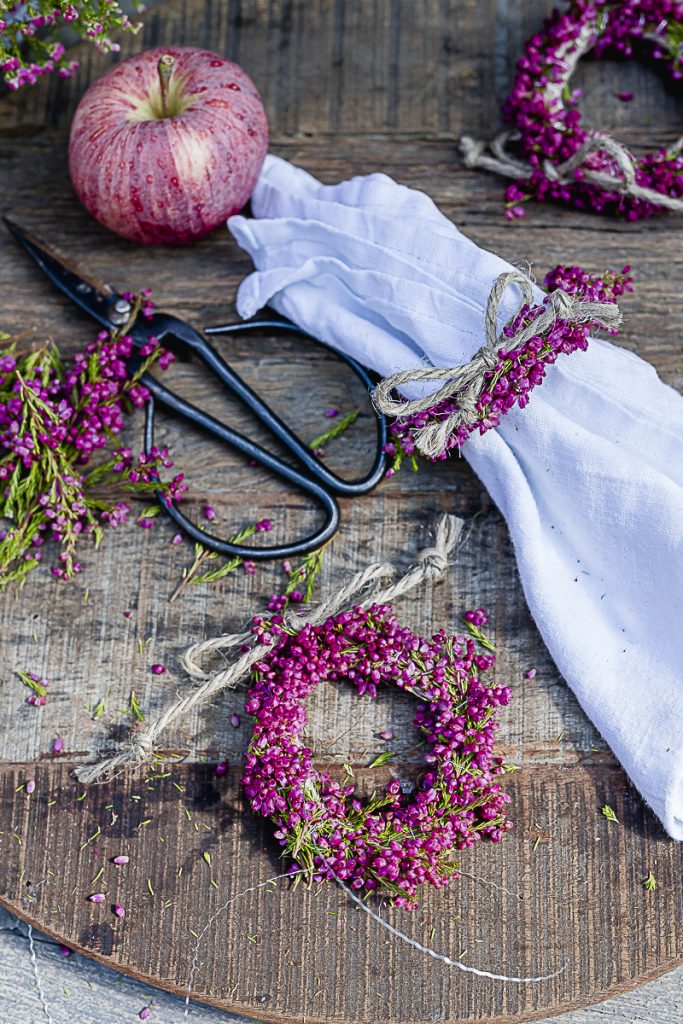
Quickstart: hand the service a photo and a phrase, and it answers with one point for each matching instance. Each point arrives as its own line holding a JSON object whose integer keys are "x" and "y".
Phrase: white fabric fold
{"x": 589, "y": 477}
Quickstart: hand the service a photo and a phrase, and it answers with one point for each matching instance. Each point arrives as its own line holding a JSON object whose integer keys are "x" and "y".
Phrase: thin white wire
{"x": 36, "y": 974}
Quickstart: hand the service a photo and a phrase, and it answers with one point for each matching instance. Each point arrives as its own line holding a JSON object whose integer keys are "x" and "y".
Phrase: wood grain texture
{"x": 349, "y": 87}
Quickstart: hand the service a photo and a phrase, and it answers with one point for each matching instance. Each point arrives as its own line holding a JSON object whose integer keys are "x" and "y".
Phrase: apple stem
{"x": 165, "y": 68}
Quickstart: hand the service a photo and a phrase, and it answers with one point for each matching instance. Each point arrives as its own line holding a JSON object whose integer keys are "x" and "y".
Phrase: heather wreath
{"x": 567, "y": 162}
{"x": 31, "y": 35}
{"x": 410, "y": 833}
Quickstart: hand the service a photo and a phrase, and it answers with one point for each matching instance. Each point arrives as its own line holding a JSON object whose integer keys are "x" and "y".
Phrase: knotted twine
{"x": 501, "y": 161}
{"x": 431, "y": 564}
{"x": 467, "y": 381}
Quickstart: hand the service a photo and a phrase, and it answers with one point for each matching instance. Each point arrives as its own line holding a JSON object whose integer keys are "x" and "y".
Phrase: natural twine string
{"x": 501, "y": 161}
{"x": 467, "y": 381}
{"x": 432, "y": 563}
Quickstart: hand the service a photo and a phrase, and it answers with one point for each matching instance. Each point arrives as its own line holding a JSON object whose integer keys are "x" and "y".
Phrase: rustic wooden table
{"x": 349, "y": 88}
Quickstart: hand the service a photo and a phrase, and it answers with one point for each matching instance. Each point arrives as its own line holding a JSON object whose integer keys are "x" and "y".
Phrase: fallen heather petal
{"x": 120, "y": 859}
{"x": 64, "y": 950}
{"x": 144, "y": 1013}
{"x": 158, "y": 669}
{"x": 57, "y": 745}
{"x": 30, "y": 785}
{"x": 235, "y": 720}
{"x": 531, "y": 674}
{"x": 96, "y": 897}
{"x": 118, "y": 910}
{"x": 221, "y": 768}
{"x": 386, "y": 734}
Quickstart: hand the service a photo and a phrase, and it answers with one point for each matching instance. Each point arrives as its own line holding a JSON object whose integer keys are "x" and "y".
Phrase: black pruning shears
{"x": 112, "y": 311}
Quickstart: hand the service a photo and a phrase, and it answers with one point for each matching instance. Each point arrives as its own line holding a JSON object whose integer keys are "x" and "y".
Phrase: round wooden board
{"x": 349, "y": 87}
{"x": 572, "y": 899}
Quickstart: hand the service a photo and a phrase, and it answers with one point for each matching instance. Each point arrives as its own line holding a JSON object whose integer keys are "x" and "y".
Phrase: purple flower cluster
{"x": 52, "y": 421}
{"x": 394, "y": 841}
{"x": 28, "y": 47}
{"x": 518, "y": 370}
{"x": 545, "y": 112}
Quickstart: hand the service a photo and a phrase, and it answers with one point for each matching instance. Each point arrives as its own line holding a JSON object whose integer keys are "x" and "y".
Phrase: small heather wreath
{"x": 408, "y": 835}
{"x": 566, "y": 162}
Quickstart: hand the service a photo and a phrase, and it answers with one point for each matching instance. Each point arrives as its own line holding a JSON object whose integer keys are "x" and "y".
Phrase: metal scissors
{"x": 112, "y": 310}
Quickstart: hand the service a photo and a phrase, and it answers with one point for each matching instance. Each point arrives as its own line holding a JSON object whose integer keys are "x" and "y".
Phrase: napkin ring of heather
{"x": 505, "y": 370}
{"x": 407, "y": 835}
{"x": 555, "y": 156}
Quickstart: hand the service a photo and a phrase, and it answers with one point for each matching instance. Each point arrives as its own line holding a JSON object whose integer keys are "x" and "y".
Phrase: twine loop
{"x": 432, "y": 563}
{"x": 501, "y": 161}
{"x": 466, "y": 382}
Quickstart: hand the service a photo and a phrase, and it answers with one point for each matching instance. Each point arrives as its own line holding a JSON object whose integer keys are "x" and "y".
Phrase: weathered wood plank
{"x": 47, "y": 863}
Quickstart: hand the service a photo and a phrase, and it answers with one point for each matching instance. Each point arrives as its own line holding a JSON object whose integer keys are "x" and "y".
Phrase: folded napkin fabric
{"x": 589, "y": 476}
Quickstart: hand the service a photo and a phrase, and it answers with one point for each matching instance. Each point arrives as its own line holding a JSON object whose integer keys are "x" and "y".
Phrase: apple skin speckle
{"x": 168, "y": 181}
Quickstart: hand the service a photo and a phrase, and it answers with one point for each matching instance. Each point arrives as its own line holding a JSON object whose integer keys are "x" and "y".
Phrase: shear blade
{"x": 100, "y": 301}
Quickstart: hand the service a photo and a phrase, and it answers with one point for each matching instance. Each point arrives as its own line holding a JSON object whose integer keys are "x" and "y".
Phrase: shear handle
{"x": 162, "y": 325}
{"x": 189, "y": 412}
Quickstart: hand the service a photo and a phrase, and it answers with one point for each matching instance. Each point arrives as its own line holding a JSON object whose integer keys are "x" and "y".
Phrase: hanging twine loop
{"x": 501, "y": 161}
{"x": 432, "y": 564}
{"x": 467, "y": 382}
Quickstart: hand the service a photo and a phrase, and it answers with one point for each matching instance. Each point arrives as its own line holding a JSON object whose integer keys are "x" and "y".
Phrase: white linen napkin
{"x": 589, "y": 476}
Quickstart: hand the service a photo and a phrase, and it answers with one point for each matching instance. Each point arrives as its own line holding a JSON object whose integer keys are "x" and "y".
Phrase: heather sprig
{"x": 30, "y": 31}
{"x": 518, "y": 370}
{"x": 406, "y": 835}
{"x": 193, "y": 577}
{"x": 543, "y": 108}
{"x": 339, "y": 427}
{"x": 54, "y": 417}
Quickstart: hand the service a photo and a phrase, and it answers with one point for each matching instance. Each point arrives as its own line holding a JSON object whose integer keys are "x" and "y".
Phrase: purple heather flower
{"x": 30, "y": 786}
{"x": 97, "y": 897}
{"x": 158, "y": 669}
{"x": 235, "y": 720}
{"x": 221, "y": 768}
{"x": 209, "y": 513}
{"x": 57, "y": 745}
{"x": 118, "y": 910}
{"x": 121, "y": 858}
{"x": 331, "y": 413}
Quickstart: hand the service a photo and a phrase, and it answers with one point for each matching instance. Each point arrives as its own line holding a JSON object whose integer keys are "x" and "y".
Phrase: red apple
{"x": 168, "y": 144}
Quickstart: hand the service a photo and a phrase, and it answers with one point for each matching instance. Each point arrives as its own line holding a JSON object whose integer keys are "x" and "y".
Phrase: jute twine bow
{"x": 466, "y": 382}
{"x": 501, "y": 161}
{"x": 431, "y": 565}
